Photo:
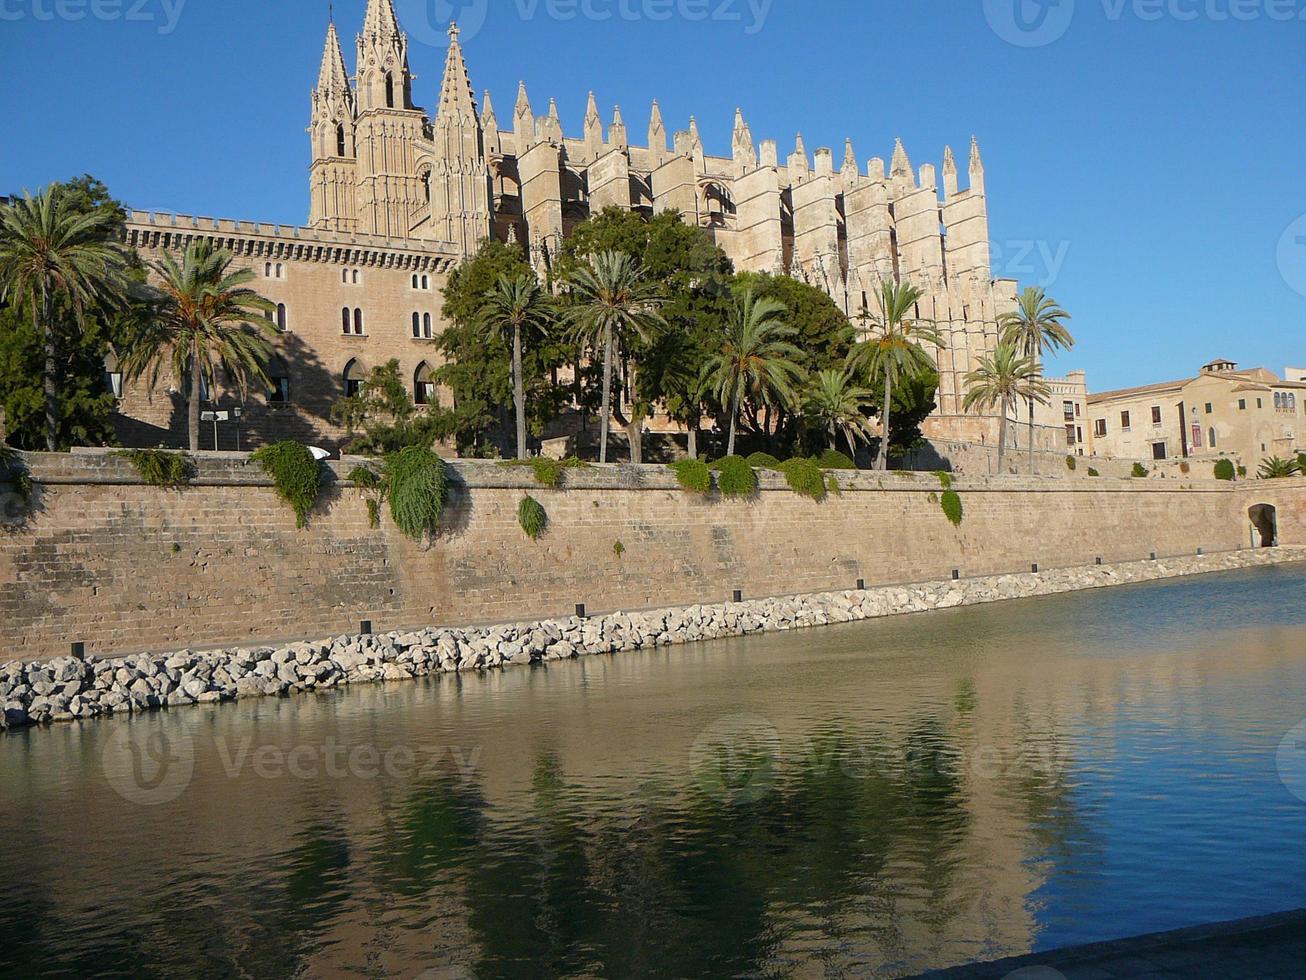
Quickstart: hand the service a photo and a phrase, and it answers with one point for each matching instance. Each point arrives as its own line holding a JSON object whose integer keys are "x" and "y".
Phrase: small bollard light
{"x": 861, "y": 585}
{"x": 580, "y": 611}
{"x": 79, "y": 651}
{"x": 956, "y": 574}
{"x": 365, "y": 628}
{"x": 1034, "y": 568}
{"x": 739, "y": 596}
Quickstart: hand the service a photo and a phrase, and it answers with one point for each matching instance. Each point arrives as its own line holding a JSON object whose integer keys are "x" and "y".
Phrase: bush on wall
{"x": 158, "y": 468}
{"x": 832, "y": 459}
{"x": 1072, "y": 464}
{"x": 763, "y": 461}
{"x": 296, "y": 475}
{"x": 1224, "y": 470}
{"x": 735, "y": 477}
{"x": 952, "y": 508}
{"x": 532, "y": 517}
{"x": 805, "y": 478}
{"x": 693, "y": 475}
{"x": 371, "y": 487}
{"x": 548, "y": 472}
{"x": 417, "y": 486}
{"x": 1139, "y": 471}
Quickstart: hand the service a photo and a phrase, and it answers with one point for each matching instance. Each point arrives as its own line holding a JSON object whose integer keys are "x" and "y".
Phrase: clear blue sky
{"x": 1163, "y": 159}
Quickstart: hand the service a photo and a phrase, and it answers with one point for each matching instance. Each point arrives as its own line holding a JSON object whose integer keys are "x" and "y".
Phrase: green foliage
{"x": 945, "y": 479}
{"x": 736, "y": 478}
{"x": 1274, "y": 468}
{"x": 1301, "y": 462}
{"x": 417, "y": 487}
{"x": 693, "y": 475}
{"x": 805, "y": 478}
{"x": 764, "y": 461}
{"x": 1224, "y": 470}
{"x": 618, "y": 549}
{"x": 952, "y": 508}
{"x": 832, "y": 459}
{"x": 832, "y": 485}
{"x": 1093, "y": 471}
{"x": 548, "y": 472}
{"x": 382, "y": 418}
{"x": 1072, "y": 464}
{"x": 296, "y": 475}
{"x": 1242, "y": 472}
{"x": 158, "y": 468}
{"x": 532, "y": 517}
{"x": 14, "y": 471}
{"x": 371, "y": 486}
{"x": 1139, "y": 471}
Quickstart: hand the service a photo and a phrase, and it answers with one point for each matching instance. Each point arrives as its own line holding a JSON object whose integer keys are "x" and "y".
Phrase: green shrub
{"x": 805, "y": 478}
{"x": 1139, "y": 471}
{"x": 945, "y": 479}
{"x": 417, "y": 486}
{"x": 693, "y": 475}
{"x": 763, "y": 461}
{"x": 1092, "y": 471}
{"x": 832, "y": 485}
{"x": 158, "y": 468}
{"x": 1072, "y": 464}
{"x": 952, "y": 509}
{"x": 832, "y": 459}
{"x": 548, "y": 472}
{"x": 532, "y": 517}
{"x": 1242, "y": 472}
{"x": 735, "y": 477}
{"x": 618, "y": 549}
{"x": 1275, "y": 468}
{"x": 1301, "y": 462}
{"x": 1224, "y": 470}
{"x": 296, "y": 475}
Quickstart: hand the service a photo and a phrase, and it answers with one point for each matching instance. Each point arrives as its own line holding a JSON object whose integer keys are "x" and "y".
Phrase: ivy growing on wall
{"x": 158, "y": 468}
{"x": 416, "y": 483}
{"x": 370, "y": 485}
{"x": 1224, "y": 469}
{"x": 296, "y": 475}
{"x": 693, "y": 475}
{"x": 532, "y": 517}
{"x": 548, "y": 472}
{"x": 805, "y": 478}
{"x": 1139, "y": 471}
{"x": 952, "y": 508}
{"x": 736, "y": 477}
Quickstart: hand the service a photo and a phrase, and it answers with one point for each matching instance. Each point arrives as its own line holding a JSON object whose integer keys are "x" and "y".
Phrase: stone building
{"x": 398, "y": 197}
{"x": 1245, "y": 415}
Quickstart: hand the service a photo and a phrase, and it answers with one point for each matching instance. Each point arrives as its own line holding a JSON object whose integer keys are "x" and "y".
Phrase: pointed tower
{"x": 490, "y": 127}
{"x": 657, "y": 136}
{"x": 593, "y": 130}
{"x": 334, "y": 173}
{"x": 550, "y": 127}
{"x": 850, "y": 173}
{"x": 523, "y": 120}
{"x": 900, "y": 170}
{"x": 949, "y": 174}
{"x": 976, "y": 167}
{"x": 460, "y": 176}
{"x": 392, "y": 195}
{"x": 617, "y": 135}
{"x": 743, "y": 150}
{"x": 798, "y": 163}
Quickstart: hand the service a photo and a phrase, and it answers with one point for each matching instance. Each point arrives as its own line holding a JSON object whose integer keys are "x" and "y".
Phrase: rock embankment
{"x": 67, "y": 689}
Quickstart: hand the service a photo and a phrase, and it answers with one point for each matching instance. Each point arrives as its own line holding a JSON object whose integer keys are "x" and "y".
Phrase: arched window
{"x": 355, "y": 277}
{"x": 344, "y": 275}
{"x": 417, "y": 326}
{"x": 389, "y": 90}
{"x": 426, "y": 325}
{"x": 340, "y": 141}
{"x": 344, "y": 320}
{"x": 358, "y": 322}
{"x": 423, "y": 386}
{"x": 278, "y": 270}
{"x": 267, "y": 270}
{"x": 354, "y": 378}
{"x": 1278, "y": 401}
{"x": 281, "y": 317}
{"x": 414, "y": 280}
{"x": 426, "y": 282}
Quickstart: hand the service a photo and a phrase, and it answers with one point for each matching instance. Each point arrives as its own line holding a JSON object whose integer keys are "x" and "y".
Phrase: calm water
{"x": 874, "y": 799}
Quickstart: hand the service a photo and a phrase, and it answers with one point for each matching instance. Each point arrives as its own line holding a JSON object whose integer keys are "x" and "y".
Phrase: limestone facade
{"x": 395, "y": 191}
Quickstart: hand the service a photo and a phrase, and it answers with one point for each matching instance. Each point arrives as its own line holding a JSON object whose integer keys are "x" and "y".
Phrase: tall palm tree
{"x": 612, "y": 302}
{"x": 515, "y": 307}
{"x": 756, "y": 357}
{"x": 1036, "y": 327}
{"x": 1002, "y": 379}
{"x": 894, "y": 347}
{"x": 836, "y": 401}
{"x": 208, "y": 319}
{"x": 52, "y": 256}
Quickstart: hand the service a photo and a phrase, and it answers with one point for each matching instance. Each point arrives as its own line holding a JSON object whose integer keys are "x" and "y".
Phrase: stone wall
{"x": 126, "y": 567}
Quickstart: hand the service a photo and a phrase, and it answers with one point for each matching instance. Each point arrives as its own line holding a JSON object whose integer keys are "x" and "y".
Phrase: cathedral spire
{"x": 976, "y": 167}
{"x": 901, "y": 165}
{"x": 617, "y": 135}
{"x": 949, "y": 173}
{"x": 799, "y": 166}
{"x": 384, "y": 80}
{"x": 593, "y": 129}
{"x": 490, "y": 126}
{"x": 657, "y": 134}
{"x": 333, "y": 76}
{"x": 743, "y": 150}
{"x": 523, "y": 120}
{"x": 850, "y": 165}
{"x": 457, "y": 103}
{"x": 380, "y": 20}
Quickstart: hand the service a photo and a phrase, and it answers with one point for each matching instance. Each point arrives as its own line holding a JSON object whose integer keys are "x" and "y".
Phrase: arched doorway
{"x": 1265, "y": 519}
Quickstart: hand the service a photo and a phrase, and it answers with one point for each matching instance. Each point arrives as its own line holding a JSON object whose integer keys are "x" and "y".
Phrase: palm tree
{"x": 52, "y": 255}
{"x": 515, "y": 306}
{"x": 1036, "y": 327}
{"x": 208, "y": 319}
{"x": 894, "y": 348}
{"x": 836, "y": 401}
{"x": 756, "y": 357}
{"x": 1275, "y": 468}
{"x": 613, "y": 301}
{"x": 1002, "y": 379}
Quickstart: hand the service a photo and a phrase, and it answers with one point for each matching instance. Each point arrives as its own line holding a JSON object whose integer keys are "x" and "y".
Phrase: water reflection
{"x": 883, "y": 798}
